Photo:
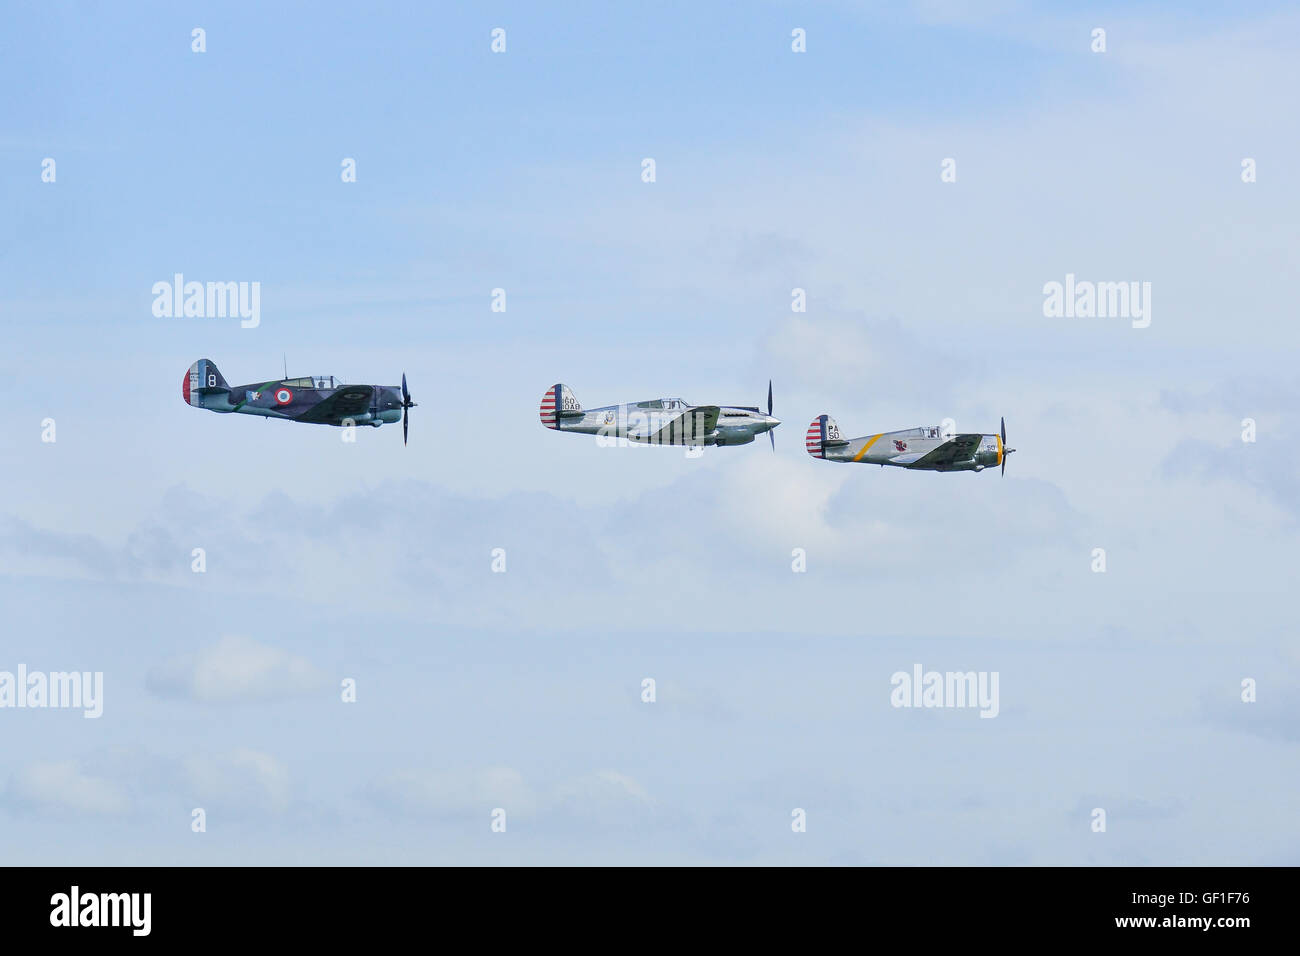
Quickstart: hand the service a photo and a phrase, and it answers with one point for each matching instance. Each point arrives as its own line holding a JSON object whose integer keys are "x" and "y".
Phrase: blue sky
{"x": 775, "y": 170}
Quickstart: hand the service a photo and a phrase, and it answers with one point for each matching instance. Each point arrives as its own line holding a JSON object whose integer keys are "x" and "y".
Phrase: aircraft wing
{"x": 957, "y": 448}
{"x": 690, "y": 427}
{"x": 348, "y": 402}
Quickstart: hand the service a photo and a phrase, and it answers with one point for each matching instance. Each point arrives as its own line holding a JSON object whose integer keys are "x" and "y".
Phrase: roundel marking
{"x": 283, "y": 396}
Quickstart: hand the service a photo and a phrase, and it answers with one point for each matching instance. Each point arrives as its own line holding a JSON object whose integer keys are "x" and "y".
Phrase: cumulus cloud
{"x": 601, "y": 798}
{"x": 604, "y": 797}
{"x": 241, "y": 780}
{"x": 236, "y": 782}
{"x": 235, "y": 668}
{"x": 455, "y": 793}
{"x": 603, "y": 787}
{"x": 63, "y": 787}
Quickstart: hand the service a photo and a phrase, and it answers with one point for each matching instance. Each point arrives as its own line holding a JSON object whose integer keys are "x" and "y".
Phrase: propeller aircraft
{"x": 921, "y": 449}
{"x": 318, "y": 400}
{"x": 659, "y": 421}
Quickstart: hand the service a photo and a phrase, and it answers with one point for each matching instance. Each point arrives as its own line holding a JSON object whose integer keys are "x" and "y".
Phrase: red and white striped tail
{"x": 816, "y": 435}
{"x": 547, "y": 411}
{"x": 558, "y": 401}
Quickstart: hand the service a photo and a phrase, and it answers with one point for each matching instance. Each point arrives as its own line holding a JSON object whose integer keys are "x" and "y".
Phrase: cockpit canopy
{"x": 925, "y": 431}
{"x": 663, "y": 404}
{"x": 315, "y": 381}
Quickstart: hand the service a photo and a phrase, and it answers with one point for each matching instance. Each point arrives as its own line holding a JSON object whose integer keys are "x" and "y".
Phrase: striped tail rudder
{"x": 547, "y": 408}
{"x": 557, "y": 404}
{"x": 814, "y": 440}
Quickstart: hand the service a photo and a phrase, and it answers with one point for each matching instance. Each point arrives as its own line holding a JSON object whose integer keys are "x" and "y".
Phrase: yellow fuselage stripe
{"x": 871, "y": 441}
{"x": 999, "y": 438}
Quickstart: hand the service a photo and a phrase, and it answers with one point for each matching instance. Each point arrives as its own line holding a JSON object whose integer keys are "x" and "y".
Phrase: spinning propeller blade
{"x": 1005, "y": 450}
{"x": 407, "y": 405}
{"x": 771, "y": 435}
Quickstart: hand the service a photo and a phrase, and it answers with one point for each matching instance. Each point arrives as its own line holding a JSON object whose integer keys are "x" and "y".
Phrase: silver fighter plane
{"x": 660, "y": 421}
{"x": 925, "y": 449}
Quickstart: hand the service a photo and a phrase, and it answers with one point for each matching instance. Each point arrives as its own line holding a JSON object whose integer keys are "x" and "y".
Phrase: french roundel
{"x": 283, "y": 396}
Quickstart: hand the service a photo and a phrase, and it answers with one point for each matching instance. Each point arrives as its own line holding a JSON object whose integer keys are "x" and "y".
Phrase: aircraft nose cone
{"x": 771, "y": 422}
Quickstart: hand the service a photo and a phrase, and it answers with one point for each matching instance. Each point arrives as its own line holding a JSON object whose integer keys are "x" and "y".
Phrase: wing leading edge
{"x": 958, "y": 448}
{"x": 348, "y": 402}
{"x": 691, "y": 427}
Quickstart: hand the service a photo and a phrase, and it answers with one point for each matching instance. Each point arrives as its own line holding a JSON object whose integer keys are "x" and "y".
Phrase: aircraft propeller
{"x": 770, "y": 436}
{"x": 407, "y": 405}
{"x": 1005, "y": 450}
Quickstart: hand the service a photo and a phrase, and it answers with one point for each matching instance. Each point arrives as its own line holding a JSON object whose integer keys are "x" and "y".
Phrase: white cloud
{"x": 466, "y": 792}
{"x": 605, "y": 789}
{"x": 64, "y": 786}
{"x": 600, "y": 798}
{"x": 240, "y": 780}
{"x": 236, "y": 668}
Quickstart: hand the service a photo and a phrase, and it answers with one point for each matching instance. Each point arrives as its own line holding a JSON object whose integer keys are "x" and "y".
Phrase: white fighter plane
{"x": 925, "y": 449}
{"x": 660, "y": 421}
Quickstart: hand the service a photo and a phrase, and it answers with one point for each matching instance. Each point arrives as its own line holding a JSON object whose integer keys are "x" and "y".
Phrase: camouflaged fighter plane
{"x": 660, "y": 421}
{"x": 922, "y": 449}
{"x": 318, "y": 400}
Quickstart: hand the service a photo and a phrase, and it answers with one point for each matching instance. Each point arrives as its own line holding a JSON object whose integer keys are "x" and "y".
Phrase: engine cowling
{"x": 734, "y": 436}
{"x": 989, "y": 453}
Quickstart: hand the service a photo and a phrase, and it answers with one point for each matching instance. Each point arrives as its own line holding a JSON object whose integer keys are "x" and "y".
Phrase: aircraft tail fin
{"x": 822, "y": 433}
{"x": 558, "y": 404}
{"x": 203, "y": 378}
